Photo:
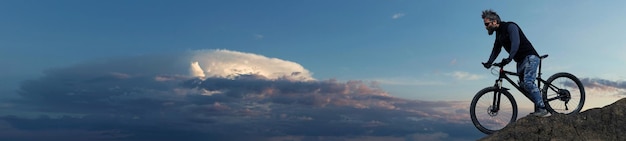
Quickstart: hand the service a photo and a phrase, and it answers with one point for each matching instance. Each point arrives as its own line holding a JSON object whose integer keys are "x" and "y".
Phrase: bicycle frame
{"x": 503, "y": 74}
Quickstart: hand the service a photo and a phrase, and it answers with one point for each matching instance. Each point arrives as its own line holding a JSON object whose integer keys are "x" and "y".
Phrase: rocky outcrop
{"x": 607, "y": 123}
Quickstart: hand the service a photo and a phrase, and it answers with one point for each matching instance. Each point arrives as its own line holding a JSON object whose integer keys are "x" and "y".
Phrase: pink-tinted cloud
{"x": 126, "y": 97}
{"x": 599, "y": 86}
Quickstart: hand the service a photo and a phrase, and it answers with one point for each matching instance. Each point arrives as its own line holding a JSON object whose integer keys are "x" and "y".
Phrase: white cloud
{"x": 258, "y": 36}
{"x": 226, "y": 63}
{"x": 460, "y": 75}
{"x": 397, "y": 15}
{"x": 196, "y": 70}
{"x": 453, "y": 62}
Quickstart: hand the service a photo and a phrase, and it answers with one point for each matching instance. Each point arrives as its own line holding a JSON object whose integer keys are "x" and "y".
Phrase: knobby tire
{"x": 480, "y": 108}
{"x": 563, "y": 93}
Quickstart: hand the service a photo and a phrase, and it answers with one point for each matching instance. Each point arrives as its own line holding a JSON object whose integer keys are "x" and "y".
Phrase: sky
{"x": 280, "y": 70}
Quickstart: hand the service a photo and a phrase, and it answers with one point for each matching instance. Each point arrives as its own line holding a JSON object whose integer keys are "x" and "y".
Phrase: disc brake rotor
{"x": 491, "y": 111}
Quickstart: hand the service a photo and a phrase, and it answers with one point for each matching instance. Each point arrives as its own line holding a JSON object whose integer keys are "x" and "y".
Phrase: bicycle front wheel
{"x": 492, "y": 109}
{"x": 563, "y": 93}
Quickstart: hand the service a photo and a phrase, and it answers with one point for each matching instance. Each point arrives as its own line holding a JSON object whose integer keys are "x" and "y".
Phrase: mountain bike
{"x": 494, "y": 107}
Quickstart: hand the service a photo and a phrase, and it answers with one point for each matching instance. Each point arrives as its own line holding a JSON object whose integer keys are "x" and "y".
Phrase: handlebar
{"x": 499, "y": 64}
{"x": 495, "y": 71}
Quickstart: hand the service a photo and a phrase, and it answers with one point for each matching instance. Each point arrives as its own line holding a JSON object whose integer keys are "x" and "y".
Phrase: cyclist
{"x": 510, "y": 36}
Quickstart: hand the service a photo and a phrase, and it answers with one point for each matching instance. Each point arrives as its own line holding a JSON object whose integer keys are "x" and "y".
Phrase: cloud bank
{"x": 605, "y": 87}
{"x": 218, "y": 95}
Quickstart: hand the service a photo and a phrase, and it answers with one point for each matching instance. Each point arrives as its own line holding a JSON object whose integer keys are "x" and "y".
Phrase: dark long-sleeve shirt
{"x": 511, "y": 37}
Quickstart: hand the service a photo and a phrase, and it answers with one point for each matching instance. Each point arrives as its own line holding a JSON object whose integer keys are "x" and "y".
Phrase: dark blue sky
{"x": 113, "y": 69}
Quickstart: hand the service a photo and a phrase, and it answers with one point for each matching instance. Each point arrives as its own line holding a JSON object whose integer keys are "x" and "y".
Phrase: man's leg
{"x": 530, "y": 65}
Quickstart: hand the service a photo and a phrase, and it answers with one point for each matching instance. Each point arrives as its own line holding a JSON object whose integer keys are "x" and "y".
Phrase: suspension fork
{"x": 497, "y": 95}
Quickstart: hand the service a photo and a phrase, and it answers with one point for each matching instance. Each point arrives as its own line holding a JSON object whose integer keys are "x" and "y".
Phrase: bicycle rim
{"x": 483, "y": 116}
{"x": 567, "y": 97}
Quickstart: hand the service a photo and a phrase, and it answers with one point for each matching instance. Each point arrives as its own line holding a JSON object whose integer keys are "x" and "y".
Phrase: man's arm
{"x": 514, "y": 36}
{"x": 497, "y": 47}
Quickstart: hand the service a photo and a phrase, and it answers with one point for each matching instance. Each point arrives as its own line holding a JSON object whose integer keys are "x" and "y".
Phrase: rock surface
{"x": 607, "y": 123}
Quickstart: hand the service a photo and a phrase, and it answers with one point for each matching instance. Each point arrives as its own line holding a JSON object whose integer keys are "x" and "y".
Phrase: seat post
{"x": 539, "y": 74}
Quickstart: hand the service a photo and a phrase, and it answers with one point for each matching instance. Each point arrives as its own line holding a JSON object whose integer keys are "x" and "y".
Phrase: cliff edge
{"x": 606, "y": 123}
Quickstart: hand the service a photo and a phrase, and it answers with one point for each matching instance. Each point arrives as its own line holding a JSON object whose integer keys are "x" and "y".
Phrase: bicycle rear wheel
{"x": 563, "y": 93}
{"x": 490, "y": 116}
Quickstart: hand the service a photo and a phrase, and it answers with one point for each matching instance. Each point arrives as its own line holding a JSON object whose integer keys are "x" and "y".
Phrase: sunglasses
{"x": 487, "y": 24}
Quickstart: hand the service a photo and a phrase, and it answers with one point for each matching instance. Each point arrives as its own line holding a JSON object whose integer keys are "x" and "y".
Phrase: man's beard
{"x": 491, "y": 30}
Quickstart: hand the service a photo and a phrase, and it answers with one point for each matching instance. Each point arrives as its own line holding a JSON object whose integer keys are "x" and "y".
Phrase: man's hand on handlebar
{"x": 486, "y": 65}
{"x": 504, "y": 62}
